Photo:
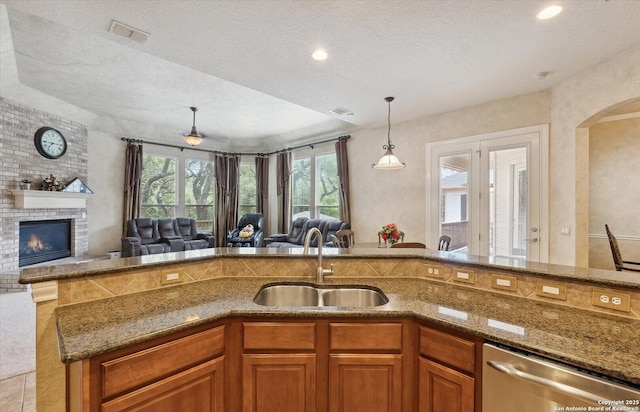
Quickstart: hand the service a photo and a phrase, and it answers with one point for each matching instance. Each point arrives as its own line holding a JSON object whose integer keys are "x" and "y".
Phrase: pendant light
{"x": 388, "y": 161}
{"x": 194, "y": 138}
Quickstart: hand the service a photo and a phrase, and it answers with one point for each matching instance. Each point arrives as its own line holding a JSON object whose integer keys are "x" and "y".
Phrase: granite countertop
{"x": 599, "y": 342}
{"x": 559, "y": 272}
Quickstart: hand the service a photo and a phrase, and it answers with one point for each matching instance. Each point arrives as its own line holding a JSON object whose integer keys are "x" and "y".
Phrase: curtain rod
{"x": 343, "y": 137}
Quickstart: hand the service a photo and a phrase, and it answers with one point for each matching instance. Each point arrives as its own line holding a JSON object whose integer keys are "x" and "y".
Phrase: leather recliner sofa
{"x": 146, "y": 236}
{"x": 299, "y": 230}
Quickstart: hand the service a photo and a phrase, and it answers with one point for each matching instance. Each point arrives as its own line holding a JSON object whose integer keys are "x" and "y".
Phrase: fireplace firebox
{"x": 43, "y": 241}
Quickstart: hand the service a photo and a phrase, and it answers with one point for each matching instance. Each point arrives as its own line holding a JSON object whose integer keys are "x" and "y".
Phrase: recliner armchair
{"x": 255, "y": 240}
{"x": 186, "y": 228}
{"x": 143, "y": 238}
{"x": 296, "y": 232}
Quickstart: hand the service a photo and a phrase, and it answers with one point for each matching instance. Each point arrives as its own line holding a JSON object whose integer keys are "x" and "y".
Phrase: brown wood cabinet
{"x": 365, "y": 367}
{"x": 181, "y": 372}
{"x": 287, "y": 364}
{"x": 197, "y": 389}
{"x": 279, "y": 367}
{"x": 366, "y": 383}
{"x": 447, "y": 376}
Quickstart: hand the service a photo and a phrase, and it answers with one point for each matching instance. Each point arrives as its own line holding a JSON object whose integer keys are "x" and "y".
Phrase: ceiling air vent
{"x": 129, "y": 32}
{"x": 340, "y": 111}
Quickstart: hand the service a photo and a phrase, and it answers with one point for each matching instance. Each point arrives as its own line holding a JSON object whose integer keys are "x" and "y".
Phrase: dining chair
{"x": 617, "y": 256}
{"x": 443, "y": 243}
{"x": 344, "y": 238}
{"x": 413, "y": 245}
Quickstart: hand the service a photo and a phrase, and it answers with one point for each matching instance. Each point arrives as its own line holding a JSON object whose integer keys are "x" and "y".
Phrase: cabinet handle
{"x": 560, "y": 387}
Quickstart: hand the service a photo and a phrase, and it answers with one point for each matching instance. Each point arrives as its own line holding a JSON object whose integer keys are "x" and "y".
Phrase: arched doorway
{"x": 613, "y": 185}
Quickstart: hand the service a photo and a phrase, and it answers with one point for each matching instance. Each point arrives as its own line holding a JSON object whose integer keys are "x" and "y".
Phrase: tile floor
{"x": 17, "y": 352}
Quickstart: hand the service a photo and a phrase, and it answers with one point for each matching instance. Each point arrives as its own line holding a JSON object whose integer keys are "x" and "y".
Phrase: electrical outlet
{"x": 464, "y": 276}
{"x": 434, "y": 271}
{"x": 172, "y": 276}
{"x": 551, "y": 290}
{"x": 611, "y": 300}
{"x": 503, "y": 282}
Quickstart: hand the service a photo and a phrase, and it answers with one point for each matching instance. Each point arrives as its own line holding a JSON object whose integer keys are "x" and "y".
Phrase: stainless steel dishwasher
{"x": 514, "y": 381}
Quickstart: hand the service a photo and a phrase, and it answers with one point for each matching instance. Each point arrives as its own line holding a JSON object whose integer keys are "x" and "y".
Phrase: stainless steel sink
{"x": 353, "y": 297}
{"x": 319, "y": 295}
{"x": 288, "y": 295}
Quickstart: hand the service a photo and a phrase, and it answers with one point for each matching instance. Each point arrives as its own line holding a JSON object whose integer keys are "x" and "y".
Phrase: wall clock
{"x": 50, "y": 143}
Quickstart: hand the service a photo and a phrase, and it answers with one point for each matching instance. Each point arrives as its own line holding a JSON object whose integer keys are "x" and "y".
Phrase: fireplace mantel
{"x": 43, "y": 199}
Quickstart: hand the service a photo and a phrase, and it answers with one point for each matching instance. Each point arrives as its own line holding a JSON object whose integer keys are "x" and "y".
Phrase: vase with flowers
{"x": 390, "y": 234}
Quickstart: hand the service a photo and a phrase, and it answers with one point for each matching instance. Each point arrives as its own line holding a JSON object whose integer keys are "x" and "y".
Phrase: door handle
{"x": 532, "y": 239}
{"x": 560, "y": 387}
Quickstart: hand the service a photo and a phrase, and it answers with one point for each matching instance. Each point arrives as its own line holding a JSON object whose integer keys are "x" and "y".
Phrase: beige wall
{"x": 106, "y": 177}
{"x": 614, "y": 190}
{"x": 399, "y": 196}
{"x": 576, "y": 104}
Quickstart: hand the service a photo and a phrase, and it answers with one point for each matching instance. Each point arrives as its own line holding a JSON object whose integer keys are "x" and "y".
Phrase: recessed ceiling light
{"x": 319, "y": 55}
{"x": 549, "y": 12}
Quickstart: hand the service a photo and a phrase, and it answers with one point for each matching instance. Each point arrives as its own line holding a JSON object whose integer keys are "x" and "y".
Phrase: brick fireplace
{"x": 21, "y": 160}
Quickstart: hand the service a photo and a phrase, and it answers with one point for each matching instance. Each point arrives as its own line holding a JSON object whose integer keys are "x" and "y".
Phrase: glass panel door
{"x": 509, "y": 214}
{"x": 489, "y": 194}
{"x": 508, "y": 201}
{"x": 454, "y": 200}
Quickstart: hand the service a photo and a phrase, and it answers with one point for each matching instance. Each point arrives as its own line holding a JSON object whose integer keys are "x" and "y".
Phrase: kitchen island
{"x": 91, "y": 309}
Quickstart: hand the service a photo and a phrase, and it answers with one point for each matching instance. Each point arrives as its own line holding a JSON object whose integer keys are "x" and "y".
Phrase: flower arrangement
{"x": 390, "y": 233}
{"x": 51, "y": 184}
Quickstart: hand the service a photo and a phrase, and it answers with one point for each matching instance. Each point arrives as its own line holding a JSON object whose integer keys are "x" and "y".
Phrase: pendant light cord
{"x": 389, "y": 145}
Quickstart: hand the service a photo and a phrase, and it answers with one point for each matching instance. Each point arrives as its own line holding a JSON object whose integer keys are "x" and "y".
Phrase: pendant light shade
{"x": 193, "y": 138}
{"x": 388, "y": 161}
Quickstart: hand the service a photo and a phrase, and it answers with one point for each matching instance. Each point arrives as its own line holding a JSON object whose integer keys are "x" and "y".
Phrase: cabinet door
{"x": 443, "y": 389}
{"x": 279, "y": 382}
{"x": 365, "y": 382}
{"x": 200, "y": 388}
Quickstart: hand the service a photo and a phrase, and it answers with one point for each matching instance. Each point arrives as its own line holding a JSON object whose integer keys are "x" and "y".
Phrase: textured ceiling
{"x": 247, "y": 64}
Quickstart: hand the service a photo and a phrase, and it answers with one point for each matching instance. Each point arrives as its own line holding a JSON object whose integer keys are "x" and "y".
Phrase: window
{"x": 247, "y": 196}
{"x": 158, "y": 195}
{"x": 301, "y": 187}
{"x": 316, "y": 189}
{"x": 177, "y": 186}
{"x": 199, "y": 192}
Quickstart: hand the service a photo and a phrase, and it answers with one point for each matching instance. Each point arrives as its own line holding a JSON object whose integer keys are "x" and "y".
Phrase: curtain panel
{"x": 132, "y": 183}
{"x": 262, "y": 186}
{"x": 343, "y": 176}
{"x": 227, "y": 180}
{"x": 284, "y": 169}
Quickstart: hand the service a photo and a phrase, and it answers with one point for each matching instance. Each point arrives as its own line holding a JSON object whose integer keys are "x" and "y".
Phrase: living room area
{"x": 96, "y": 154}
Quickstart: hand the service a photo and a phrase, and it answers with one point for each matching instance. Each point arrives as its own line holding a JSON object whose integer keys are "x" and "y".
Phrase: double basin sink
{"x": 307, "y": 294}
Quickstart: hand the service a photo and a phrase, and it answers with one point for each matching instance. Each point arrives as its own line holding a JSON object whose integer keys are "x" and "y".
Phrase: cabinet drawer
{"x": 140, "y": 368}
{"x": 365, "y": 336}
{"x": 279, "y": 335}
{"x": 449, "y": 349}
